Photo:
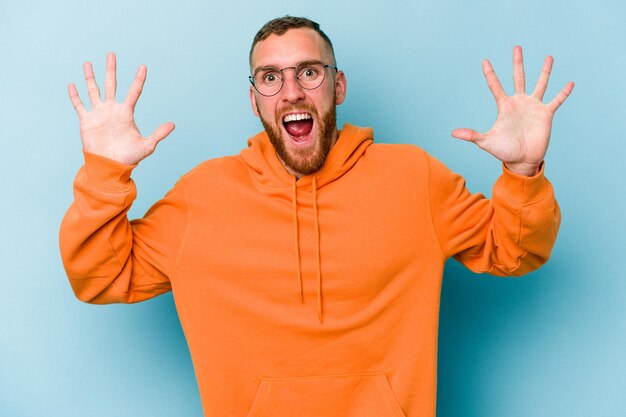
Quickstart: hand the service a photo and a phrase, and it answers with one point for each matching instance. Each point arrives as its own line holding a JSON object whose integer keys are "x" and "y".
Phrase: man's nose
{"x": 291, "y": 91}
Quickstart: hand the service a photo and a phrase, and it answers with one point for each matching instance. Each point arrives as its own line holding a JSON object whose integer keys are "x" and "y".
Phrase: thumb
{"x": 161, "y": 133}
{"x": 467, "y": 134}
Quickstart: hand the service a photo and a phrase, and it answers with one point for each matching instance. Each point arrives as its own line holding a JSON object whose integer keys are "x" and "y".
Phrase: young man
{"x": 307, "y": 269}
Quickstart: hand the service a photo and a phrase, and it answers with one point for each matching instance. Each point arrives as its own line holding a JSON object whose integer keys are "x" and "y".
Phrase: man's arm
{"x": 514, "y": 232}
{"x": 511, "y": 234}
{"x": 107, "y": 258}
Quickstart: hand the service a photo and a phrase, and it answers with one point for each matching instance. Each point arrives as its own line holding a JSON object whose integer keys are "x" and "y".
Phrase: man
{"x": 307, "y": 269}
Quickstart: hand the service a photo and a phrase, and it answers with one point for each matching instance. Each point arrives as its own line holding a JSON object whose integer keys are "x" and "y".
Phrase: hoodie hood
{"x": 271, "y": 177}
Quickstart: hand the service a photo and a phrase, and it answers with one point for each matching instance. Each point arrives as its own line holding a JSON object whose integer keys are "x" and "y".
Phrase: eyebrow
{"x": 299, "y": 64}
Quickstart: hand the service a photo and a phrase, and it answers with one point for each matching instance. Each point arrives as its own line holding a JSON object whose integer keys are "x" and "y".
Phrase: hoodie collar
{"x": 268, "y": 171}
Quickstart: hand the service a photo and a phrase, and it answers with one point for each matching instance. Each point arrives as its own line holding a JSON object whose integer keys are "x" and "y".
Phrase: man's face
{"x": 301, "y": 145}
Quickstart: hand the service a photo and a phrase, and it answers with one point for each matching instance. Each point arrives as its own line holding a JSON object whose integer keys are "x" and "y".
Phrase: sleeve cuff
{"x": 522, "y": 189}
{"x": 106, "y": 172}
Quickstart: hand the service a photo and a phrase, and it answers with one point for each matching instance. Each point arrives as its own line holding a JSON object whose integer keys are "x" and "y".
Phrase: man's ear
{"x": 341, "y": 85}
{"x": 255, "y": 109}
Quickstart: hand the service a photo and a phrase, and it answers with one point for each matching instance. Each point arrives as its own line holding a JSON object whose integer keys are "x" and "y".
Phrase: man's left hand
{"x": 521, "y": 133}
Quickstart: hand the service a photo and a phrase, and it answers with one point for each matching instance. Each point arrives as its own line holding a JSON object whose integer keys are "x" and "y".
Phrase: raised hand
{"x": 521, "y": 133}
{"x": 109, "y": 129}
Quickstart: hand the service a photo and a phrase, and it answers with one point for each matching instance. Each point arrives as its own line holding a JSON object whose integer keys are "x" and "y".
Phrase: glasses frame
{"x": 294, "y": 68}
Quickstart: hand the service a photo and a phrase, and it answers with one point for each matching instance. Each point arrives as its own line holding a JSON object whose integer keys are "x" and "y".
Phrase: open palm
{"x": 521, "y": 133}
{"x": 109, "y": 129}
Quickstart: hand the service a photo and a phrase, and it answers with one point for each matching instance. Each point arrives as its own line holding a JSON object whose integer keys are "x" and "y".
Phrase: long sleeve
{"x": 107, "y": 258}
{"x": 511, "y": 234}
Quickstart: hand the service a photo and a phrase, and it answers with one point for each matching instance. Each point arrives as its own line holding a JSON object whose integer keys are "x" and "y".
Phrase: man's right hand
{"x": 109, "y": 129}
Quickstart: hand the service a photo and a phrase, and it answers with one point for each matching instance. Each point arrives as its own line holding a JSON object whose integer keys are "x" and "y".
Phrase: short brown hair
{"x": 280, "y": 25}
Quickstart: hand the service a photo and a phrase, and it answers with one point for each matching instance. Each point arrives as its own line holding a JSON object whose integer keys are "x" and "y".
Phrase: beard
{"x": 308, "y": 160}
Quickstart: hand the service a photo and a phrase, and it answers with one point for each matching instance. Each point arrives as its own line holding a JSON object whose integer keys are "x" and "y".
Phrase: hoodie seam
{"x": 184, "y": 237}
{"x": 430, "y": 211}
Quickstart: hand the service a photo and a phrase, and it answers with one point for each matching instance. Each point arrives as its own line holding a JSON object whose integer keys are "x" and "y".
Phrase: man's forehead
{"x": 290, "y": 48}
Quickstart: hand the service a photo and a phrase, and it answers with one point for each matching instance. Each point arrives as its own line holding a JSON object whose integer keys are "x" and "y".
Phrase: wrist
{"x": 524, "y": 168}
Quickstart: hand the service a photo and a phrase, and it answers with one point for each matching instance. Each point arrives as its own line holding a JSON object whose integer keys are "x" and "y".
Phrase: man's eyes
{"x": 273, "y": 76}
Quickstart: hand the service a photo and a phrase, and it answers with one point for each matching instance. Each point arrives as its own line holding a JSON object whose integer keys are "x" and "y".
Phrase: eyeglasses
{"x": 268, "y": 81}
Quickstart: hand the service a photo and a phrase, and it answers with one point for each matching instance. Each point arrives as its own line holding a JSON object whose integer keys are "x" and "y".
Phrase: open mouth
{"x": 298, "y": 125}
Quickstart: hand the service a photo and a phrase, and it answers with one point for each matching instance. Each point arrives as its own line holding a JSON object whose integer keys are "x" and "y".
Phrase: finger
{"x": 561, "y": 97}
{"x": 135, "y": 89}
{"x": 469, "y": 135}
{"x": 518, "y": 71}
{"x": 92, "y": 88}
{"x": 492, "y": 81}
{"x": 76, "y": 101}
{"x": 542, "y": 82}
{"x": 110, "y": 83}
{"x": 161, "y": 132}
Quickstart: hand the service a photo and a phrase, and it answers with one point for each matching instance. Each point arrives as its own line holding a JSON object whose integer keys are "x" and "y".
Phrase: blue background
{"x": 549, "y": 344}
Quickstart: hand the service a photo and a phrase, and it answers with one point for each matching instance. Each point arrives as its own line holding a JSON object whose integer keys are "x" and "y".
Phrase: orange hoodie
{"x": 315, "y": 297}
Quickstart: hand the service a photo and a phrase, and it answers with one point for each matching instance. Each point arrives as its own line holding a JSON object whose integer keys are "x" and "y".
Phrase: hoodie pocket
{"x": 350, "y": 395}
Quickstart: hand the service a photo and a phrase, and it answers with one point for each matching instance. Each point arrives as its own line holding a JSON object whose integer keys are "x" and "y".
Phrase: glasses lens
{"x": 268, "y": 81}
{"x": 310, "y": 75}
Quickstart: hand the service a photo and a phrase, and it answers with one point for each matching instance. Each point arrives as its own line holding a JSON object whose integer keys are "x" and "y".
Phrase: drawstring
{"x": 317, "y": 245}
{"x": 294, "y": 201}
{"x": 317, "y": 250}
